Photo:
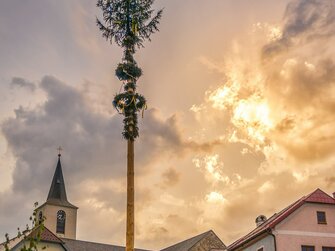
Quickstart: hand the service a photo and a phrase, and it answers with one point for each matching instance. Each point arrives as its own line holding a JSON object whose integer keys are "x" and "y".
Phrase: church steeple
{"x": 60, "y": 215}
{"x": 57, "y": 192}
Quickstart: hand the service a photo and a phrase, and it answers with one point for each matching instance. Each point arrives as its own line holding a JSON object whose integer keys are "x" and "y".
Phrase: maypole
{"x": 129, "y": 23}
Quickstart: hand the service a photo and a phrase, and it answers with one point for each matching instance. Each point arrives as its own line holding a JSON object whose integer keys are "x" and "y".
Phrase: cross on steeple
{"x": 59, "y": 149}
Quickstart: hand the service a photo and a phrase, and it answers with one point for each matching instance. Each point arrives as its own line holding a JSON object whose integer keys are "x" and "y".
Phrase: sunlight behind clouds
{"x": 241, "y": 112}
{"x": 215, "y": 197}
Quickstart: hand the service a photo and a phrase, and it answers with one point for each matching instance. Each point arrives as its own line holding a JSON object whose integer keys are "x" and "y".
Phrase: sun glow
{"x": 253, "y": 117}
{"x": 215, "y": 197}
{"x": 225, "y": 96}
{"x": 250, "y": 112}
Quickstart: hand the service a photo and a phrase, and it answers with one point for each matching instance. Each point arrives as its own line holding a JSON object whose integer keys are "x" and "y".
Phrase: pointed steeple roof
{"x": 57, "y": 192}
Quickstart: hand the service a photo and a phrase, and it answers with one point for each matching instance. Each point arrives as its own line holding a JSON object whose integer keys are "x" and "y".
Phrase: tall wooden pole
{"x": 130, "y": 197}
{"x": 129, "y": 23}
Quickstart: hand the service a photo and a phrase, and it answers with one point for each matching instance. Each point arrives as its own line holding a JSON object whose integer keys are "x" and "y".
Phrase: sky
{"x": 240, "y": 119}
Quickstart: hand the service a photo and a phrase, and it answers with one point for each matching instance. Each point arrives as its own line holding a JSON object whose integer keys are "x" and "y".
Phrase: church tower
{"x": 59, "y": 214}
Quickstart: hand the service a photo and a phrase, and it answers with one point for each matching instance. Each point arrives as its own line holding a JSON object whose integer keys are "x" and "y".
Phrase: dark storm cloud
{"x": 93, "y": 146}
{"x": 21, "y": 82}
{"x": 92, "y": 142}
{"x": 305, "y": 21}
{"x": 62, "y": 120}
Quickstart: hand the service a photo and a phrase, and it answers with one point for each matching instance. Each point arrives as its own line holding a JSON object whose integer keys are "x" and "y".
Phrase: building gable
{"x": 305, "y": 218}
{"x": 202, "y": 242}
{"x": 316, "y": 197}
{"x": 209, "y": 242}
{"x": 48, "y": 240}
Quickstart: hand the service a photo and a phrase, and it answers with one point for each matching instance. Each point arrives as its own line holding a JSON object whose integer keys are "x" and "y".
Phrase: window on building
{"x": 61, "y": 217}
{"x": 307, "y": 248}
{"x": 328, "y": 248}
{"x": 321, "y": 217}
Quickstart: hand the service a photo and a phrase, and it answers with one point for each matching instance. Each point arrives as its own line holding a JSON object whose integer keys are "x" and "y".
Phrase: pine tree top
{"x": 128, "y": 22}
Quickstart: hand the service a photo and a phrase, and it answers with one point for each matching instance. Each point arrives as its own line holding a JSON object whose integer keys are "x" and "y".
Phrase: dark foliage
{"x": 128, "y": 23}
{"x": 124, "y": 71}
{"x": 31, "y": 237}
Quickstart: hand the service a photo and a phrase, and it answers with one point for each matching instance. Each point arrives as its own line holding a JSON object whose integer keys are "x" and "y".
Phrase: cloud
{"x": 304, "y": 100}
{"x": 286, "y": 102}
{"x": 94, "y": 152}
{"x": 170, "y": 177}
{"x": 65, "y": 119}
{"x": 305, "y": 21}
{"x": 277, "y": 102}
{"x": 330, "y": 181}
{"x": 264, "y": 124}
{"x": 169, "y": 136}
{"x": 21, "y": 82}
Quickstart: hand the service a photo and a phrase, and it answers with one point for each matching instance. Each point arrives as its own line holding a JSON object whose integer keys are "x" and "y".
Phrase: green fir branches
{"x": 128, "y": 23}
{"x": 31, "y": 237}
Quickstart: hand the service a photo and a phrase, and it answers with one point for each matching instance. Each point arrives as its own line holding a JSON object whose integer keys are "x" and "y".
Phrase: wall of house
{"x": 267, "y": 243}
{"x": 302, "y": 228}
{"x": 50, "y": 214}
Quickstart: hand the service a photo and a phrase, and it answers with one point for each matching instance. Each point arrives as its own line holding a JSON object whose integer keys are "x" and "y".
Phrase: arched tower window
{"x": 61, "y": 217}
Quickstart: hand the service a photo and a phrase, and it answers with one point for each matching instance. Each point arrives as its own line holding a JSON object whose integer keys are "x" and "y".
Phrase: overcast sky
{"x": 241, "y": 117}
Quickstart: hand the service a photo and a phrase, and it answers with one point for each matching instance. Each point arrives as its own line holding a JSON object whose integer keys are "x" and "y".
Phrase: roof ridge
{"x": 70, "y": 242}
{"x": 315, "y": 193}
{"x": 18, "y": 238}
{"x": 44, "y": 229}
{"x": 32, "y": 233}
{"x": 93, "y": 242}
{"x": 184, "y": 241}
{"x": 205, "y": 235}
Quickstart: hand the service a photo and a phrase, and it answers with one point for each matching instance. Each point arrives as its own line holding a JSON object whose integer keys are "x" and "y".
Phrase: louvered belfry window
{"x": 61, "y": 218}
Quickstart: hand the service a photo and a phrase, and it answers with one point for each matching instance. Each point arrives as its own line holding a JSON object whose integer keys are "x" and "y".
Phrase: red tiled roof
{"x": 318, "y": 196}
{"x": 46, "y": 235}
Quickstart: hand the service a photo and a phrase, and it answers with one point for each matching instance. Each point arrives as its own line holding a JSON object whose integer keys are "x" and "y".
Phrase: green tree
{"x": 129, "y": 23}
{"x": 31, "y": 237}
